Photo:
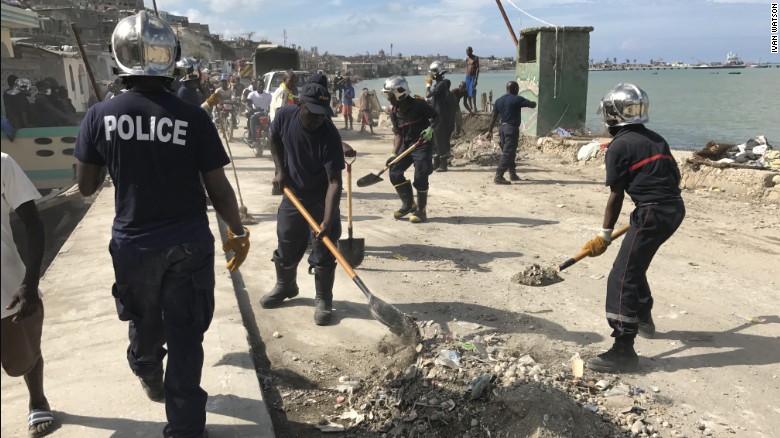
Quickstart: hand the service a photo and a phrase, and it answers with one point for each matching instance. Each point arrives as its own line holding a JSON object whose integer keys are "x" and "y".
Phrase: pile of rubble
{"x": 476, "y": 386}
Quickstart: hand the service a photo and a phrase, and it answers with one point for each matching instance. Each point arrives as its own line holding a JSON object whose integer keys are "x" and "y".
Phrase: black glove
{"x": 390, "y": 160}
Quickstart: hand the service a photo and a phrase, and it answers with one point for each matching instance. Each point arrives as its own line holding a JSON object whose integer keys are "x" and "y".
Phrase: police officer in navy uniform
{"x": 156, "y": 148}
{"x": 639, "y": 163}
{"x": 412, "y": 119}
{"x": 308, "y": 156}
{"x": 508, "y": 107}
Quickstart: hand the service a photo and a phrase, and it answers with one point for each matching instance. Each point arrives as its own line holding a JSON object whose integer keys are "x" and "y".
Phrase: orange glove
{"x": 596, "y": 246}
{"x": 240, "y": 247}
{"x": 428, "y": 81}
{"x": 213, "y": 100}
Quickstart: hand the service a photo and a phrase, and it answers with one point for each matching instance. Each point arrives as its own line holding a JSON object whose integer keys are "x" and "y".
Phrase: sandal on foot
{"x": 40, "y": 422}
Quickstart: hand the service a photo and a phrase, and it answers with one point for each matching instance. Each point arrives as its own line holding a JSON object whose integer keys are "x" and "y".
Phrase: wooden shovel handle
{"x": 403, "y": 154}
{"x": 584, "y": 253}
{"x": 316, "y": 227}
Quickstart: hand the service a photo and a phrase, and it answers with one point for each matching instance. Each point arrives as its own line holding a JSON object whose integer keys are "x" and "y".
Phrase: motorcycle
{"x": 257, "y": 135}
{"x": 224, "y": 118}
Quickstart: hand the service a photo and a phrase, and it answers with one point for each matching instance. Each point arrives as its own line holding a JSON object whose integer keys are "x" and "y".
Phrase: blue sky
{"x": 680, "y": 30}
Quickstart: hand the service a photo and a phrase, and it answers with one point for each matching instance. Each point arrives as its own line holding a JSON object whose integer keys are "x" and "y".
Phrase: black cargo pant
{"x": 628, "y": 292}
{"x": 441, "y": 136}
{"x": 294, "y": 233}
{"x": 422, "y": 158}
{"x": 168, "y": 296}
{"x": 508, "y": 136}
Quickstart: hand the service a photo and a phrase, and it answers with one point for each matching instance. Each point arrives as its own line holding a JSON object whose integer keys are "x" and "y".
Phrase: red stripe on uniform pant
{"x": 650, "y": 160}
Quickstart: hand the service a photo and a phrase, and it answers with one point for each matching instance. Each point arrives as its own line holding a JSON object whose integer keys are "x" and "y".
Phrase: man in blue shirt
{"x": 157, "y": 148}
{"x": 189, "y": 90}
{"x": 347, "y": 102}
{"x": 508, "y": 108}
{"x": 308, "y": 156}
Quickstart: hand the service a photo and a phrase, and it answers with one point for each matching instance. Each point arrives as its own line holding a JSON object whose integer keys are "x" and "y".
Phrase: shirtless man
{"x": 472, "y": 76}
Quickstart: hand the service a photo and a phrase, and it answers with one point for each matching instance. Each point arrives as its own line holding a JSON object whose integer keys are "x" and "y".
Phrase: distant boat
{"x": 735, "y": 72}
{"x": 732, "y": 61}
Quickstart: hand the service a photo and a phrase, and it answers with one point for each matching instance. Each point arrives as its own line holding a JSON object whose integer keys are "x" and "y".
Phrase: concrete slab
{"x": 87, "y": 380}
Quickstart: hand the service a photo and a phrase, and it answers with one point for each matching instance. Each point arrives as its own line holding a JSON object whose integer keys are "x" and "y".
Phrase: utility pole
{"x": 285, "y": 37}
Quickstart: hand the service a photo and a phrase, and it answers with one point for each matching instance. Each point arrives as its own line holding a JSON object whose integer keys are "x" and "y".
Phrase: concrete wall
{"x": 553, "y": 71}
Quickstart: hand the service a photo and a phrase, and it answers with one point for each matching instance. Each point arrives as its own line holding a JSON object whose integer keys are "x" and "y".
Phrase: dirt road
{"x": 715, "y": 283}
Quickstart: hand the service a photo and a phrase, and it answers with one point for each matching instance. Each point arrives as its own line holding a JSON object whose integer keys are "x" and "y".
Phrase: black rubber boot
{"x": 286, "y": 286}
{"x": 323, "y": 301}
{"x": 153, "y": 386}
{"x": 420, "y": 214}
{"x": 407, "y": 199}
{"x": 436, "y": 161}
{"x": 499, "y": 179}
{"x": 513, "y": 175}
{"x": 621, "y": 357}
{"x": 646, "y": 326}
{"x": 442, "y": 166}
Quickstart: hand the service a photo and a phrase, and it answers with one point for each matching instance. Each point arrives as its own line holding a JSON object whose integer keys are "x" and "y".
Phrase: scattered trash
{"x": 479, "y": 384}
{"x": 597, "y": 276}
{"x": 618, "y": 390}
{"x": 755, "y": 319}
{"x": 526, "y": 361}
{"x": 400, "y": 257}
{"x": 654, "y": 389}
{"x": 329, "y": 427}
{"x": 348, "y": 386}
{"x": 577, "y": 366}
{"x": 603, "y": 384}
{"x": 591, "y": 407}
{"x": 448, "y": 358}
{"x": 638, "y": 390}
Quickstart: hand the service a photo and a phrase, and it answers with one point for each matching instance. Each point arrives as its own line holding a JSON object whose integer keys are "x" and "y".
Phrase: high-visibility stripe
{"x": 650, "y": 160}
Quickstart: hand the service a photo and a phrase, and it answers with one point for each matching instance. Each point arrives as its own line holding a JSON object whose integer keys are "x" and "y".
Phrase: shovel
{"x": 353, "y": 249}
{"x": 371, "y": 179}
{"x": 387, "y": 314}
{"x": 536, "y": 275}
{"x": 584, "y": 253}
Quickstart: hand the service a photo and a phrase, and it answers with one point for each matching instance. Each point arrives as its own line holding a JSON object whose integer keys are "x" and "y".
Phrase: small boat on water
{"x": 735, "y": 72}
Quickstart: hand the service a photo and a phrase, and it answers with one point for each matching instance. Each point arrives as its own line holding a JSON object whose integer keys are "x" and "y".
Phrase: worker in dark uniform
{"x": 308, "y": 156}
{"x": 412, "y": 119}
{"x": 443, "y": 104}
{"x": 157, "y": 148}
{"x": 508, "y": 107}
{"x": 639, "y": 163}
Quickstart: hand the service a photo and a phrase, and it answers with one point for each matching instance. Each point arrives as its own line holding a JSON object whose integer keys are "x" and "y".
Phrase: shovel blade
{"x": 368, "y": 180}
{"x": 392, "y": 317}
{"x": 353, "y": 250}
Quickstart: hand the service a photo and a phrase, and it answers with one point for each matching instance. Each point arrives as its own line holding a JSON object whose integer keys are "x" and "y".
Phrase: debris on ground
{"x": 536, "y": 275}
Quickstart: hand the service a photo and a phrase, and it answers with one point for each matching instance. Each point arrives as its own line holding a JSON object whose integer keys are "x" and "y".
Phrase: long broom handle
{"x": 349, "y": 197}
{"x": 584, "y": 253}
{"x": 316, "y": 227}
{"x": 233, "y": 164}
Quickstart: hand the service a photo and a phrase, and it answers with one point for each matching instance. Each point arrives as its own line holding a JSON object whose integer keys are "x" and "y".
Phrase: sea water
{"x": 688, "y": 107}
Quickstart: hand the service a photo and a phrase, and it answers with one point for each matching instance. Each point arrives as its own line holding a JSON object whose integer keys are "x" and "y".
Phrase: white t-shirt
{"x": 17, "y": 189}
{"x": 260, "y": 99}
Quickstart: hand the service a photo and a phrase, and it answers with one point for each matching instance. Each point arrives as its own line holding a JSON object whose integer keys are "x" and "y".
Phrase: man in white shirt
{"x": 22, "y": 308}
{"x": 285, "y": 94}
{"x": 259, "y": 98}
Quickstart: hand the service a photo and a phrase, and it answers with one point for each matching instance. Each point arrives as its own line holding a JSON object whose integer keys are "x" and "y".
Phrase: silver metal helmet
{"x": 396, "y": 86}
{"x": 626, "y": 104}
{"x": 23, "y": 84}
{"x": 144, "y": 45}
{"x": 437, "y": 68}
{"x": 187, "y": 65}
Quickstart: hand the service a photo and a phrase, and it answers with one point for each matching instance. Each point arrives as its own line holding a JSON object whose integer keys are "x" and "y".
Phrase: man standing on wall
{"x": 472, "y": 76}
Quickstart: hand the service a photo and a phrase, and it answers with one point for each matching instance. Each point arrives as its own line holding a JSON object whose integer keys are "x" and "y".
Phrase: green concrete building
{"x": 552, "y": 70}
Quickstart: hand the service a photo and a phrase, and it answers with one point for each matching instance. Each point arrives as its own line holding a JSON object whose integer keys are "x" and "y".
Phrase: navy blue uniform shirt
{"x": 642, "y": 160}
{"x": 413, "y": 122}
{"x": 189, "y": 95}
{"x": 508, "y": 107}
{"x": 308, "y": 156}
{"x": 155, "y": 147}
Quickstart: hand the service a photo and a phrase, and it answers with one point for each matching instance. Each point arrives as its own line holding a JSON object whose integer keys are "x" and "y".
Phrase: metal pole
{"x": 86, "y": 62}
{"x": 506, "y": 20}
{"x": 157, "y": 14}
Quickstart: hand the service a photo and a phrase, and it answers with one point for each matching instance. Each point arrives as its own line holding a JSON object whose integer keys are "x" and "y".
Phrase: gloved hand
{"x": 428, "y": 81}
{"x": 427, "y": 135}
{"x": 598, "y": 245}
{"x": 240, "y": 247}
{"x": 393, "y": 156}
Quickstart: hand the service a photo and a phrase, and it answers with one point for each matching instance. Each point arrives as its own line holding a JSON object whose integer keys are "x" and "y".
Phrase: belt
{"x": 664, "y": 202}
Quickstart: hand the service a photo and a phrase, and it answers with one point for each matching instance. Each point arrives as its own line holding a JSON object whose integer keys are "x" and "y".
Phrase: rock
{"x": 474, "y": 422}
{"x": 277, "y": 335}
{"x": 707, "y": 432}
{"x": 340, "y": 399}
{"x": 636, "y": 428}
{"x": 603, "y": 384}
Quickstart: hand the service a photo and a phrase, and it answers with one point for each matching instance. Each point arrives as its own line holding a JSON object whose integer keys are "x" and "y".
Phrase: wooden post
{"x": 84, "y": 58}
{"x": 506, "y": 20}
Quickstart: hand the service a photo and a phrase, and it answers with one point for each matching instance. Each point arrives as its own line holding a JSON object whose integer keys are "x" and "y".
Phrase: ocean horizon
{"x": 687, "y": 107}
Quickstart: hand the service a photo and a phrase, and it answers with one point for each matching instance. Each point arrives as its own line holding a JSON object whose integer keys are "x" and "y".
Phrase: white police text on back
{"x": 151, "y": 129}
